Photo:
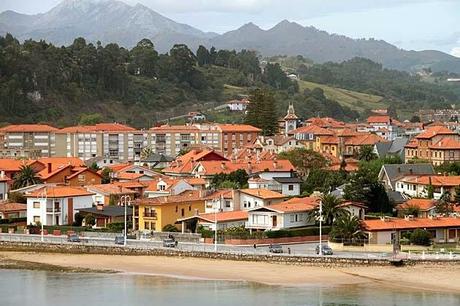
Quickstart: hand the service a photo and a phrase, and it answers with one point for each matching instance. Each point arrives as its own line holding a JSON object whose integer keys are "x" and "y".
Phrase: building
{"x": 436, "y": 144}
{"x": 12, "y": 210}
{"x": 390, "y": 173}
{"x": 166, "y": 186}
{"x": 238, "y": 105}
{"x": 56, "y": 205}
{"x": 155, "y": 213}
{"x": 309, "y": 136}
{"x": 277, "y": 144}
{"x": 252, "y": 198}
{"x": 418, "y": 186}
{"x": 426, "y": 207}
{"x": 383, "y": 126}
{"x": 183, "y": 165}
{"x": 35, "y": 139}
{"x": 114, "y": 141}
{"x": 288, "y": 186}
{"x": 222, "y": 201}
{"x": 105, "y": 215}
{"x": 293, "y": 213}
{"x": 223, "y": 220}
{"x": 290, "y": 120}
{"x": 382, "y": 231}
{"x": 392, "y": 148}
{"x": 109, "y": 194}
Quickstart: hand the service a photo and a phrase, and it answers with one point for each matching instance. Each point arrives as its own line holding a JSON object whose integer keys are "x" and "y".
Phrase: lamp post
{"x": 215, "y": 222}
{"x": 125, "y": 200}
{"x": 45, "y": 197}
{"x": 320, "y": 226}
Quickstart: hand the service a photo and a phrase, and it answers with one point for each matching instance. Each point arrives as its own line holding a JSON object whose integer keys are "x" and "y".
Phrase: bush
{"x": 78, "y": 219}
{"x": 90, "y": 220}
{"x": 309, "y": 231}
{"x": 118, "y": 227}
{"x": 205, "y": 233}
{"x": 420, "y": 237}
{"x": 13, "y": 220}
{"x": 170, "y": 228}
{"x": 17, "y": 197}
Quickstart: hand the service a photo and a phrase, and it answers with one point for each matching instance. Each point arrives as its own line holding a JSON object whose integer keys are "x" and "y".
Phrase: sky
{"x": 409, "y": 24}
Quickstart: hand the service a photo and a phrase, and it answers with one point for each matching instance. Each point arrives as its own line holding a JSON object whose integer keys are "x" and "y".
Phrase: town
{"x": 317, "y": 185}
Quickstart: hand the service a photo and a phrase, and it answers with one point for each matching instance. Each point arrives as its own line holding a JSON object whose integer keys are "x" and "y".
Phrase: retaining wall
{"x": 282, "y": 240}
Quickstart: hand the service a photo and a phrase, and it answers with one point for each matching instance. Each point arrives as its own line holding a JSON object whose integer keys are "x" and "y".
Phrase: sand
{"x": 436, "y": 278}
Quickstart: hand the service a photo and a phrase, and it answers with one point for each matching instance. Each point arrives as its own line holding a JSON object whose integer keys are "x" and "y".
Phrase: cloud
{"x": 455, "y": 51}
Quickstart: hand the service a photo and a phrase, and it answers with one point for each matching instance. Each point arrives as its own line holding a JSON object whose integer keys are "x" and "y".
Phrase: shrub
{"x": 170, "y": 228}
{"x": 17, "y": 197}
{"x": 90, "y": 220}
{"x": 309, "y": 231}
{"x": 420, "y": 237}
{"x": 78, "y": 219}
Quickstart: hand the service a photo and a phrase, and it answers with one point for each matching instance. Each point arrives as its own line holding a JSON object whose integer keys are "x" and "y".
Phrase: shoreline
{"x": 419, "y": 277}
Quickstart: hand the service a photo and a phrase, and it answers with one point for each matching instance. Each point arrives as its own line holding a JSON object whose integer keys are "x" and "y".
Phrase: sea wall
{"x": 324, "y": 261}
{"x": 282, "y": 240}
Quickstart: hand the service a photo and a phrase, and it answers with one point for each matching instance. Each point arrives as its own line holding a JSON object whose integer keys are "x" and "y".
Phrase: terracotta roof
{"x": 119, "y": 167}
{"x": 176, "y": 128}
{"x": 195, "y": 181}
{"x": 129, "y": 176}
{"x": 28, "y": 128}
{"x": 12, "y": 207}
{"x": 186, "y": 196}
{"x": 325, "y": 122}
{"x": 132, "y": 184}
{"x": 293, "y": 205}
{"x": 433, "y": 131}
{"x": 330, "y": 139}
{"x": 238, "y": 128}
{"x": 422, "y": 204}
{"x": 225, "y": 216}
{"x": 113, "y": 127}
{"x": 44, "y": 174}
{"x": 12, "y": 164}
{"x": 446, "y": 144}
{"x": 265, "y": 194}
{"x": 378, "y": 119}
{"x": 225, "y": 193}
{"x": 77, "y": 171}
{"x": 186, "y": 162}
{"x": 59, "y": 161}
{"x": 312, "y": 129}
{"x": 109, "y": 189}
{"x": 59, "y": 192}
{"x": 216, "y": 167}
{"x": 364, "y": 139}
{"x": 401, "y": 223}
{"x": 435, "y": 180}
{"x": 76, "y": 129}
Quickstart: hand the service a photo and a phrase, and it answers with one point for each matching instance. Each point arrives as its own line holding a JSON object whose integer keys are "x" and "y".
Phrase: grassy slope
{"x": 355, "y": 100}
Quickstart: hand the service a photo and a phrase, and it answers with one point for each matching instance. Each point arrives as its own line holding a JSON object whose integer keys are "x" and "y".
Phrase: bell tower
{"x": 290, "y": 120}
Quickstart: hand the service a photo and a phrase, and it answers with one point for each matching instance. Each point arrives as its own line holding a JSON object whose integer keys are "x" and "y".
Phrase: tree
{"x": 261, "y": 112}
{"x": 332, "y": 209}
{"x": 444, "y": 205}
{"x": 143, "y": 59}
{"x": 106, "y": 175}
{"x": 183, "y": 63}
{"x": 274, "y": 76}
{"x": 90, "y": 119}
{"x": 203, "y": 56}
{"x": 17, "y": 197}
{"x": 304, "y": 160}
{"x": 236, "y": 179}
{"x": 420, "y": 237}
{"x": 366, "y": 153}
{"x": 90, "y": 220}
{"x": 457, "y": 194}
{"x": 25, "y": 177}
{"x": 94, "y": 167}
{"x": 411, "y": 210}
{"x": 415, "y": 119}
{"x": 78, "y": 220}
{"x": 169, "y": 228}
{"x": 347, "y": 228}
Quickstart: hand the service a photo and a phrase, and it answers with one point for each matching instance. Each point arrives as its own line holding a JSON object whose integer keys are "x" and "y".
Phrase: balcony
{"x": 150, "y": 215}
{"x": 257, "y": 226}
{"x": 49, "y": 210}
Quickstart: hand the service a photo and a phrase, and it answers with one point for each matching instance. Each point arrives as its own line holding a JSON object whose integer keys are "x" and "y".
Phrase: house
{"x": 381, "y": 231}
{"x": 293, "y": 213}
{"x": 128, "y": 172}
{"x": 69, "y": 175}
{"x": 4, "y": 186}
{"x": 418, "y": 186}
{"x": 196, "y": 116}
{"x": 426, "y": 207}
{"x": 277, "y": 143}
{"x": 183, "y": 165}
{"x": 238, "y": 105}
{"x": 224, "y": 220}
{"x": 309, "y": 135}
{"x": 221, "y": 201}
{"x": 166, "y": 186}
{"x": 56, "y": 205}
{"x": 390, "y": 173}
{"x": 105, "y": 215}
{"x": 392, "y": 148}
{"x": 429, "y": 146}
{"x": 355, "y": 209}
{"x": 252, "y": 198}
{"x": 288, "y": 186}
{"x": 10, "y": 210}
{"x": 109, "y": 194}
{"x": 154, "y": 214}
{"x": 156, "y": 161}
{"x": 383, "y": 126}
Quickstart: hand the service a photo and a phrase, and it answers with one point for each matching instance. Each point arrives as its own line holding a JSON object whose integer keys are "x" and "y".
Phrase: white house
{"x": 418, "y": 186}
{"x": 288, "y": 186}
{"x": 4, "y": 188}
{"x": 56, "y": 205}
{"x": 167, "y": 186}
{"x": 238, "y": 105}
{"x": 289, "y": 214}
{"x": 252, "y": 198}
{"x": 221, "y": 201}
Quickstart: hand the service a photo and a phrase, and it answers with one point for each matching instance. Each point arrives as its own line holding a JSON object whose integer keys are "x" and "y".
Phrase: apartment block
{"x": 27, "y": 139}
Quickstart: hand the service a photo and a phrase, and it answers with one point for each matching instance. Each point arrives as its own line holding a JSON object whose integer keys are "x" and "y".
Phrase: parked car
{"x": 73, "y": 238}
{"x": 169, "y": 243}
{"x": 120, "y": 240}
{"x": 325, "y": 249}
{"x": 275, "y": 248}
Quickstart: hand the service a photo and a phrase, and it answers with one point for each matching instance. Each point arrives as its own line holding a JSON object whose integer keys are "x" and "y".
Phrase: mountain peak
{"x": 249, "y": 26}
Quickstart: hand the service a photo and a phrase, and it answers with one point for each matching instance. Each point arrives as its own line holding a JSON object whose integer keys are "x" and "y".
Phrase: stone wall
{"x": 324, "y": 261}
{"x": 282, "y": 240}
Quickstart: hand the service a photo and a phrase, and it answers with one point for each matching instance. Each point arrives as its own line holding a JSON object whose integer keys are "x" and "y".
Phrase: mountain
{"x": 99, "y": 20}
{"x": 290, "y": 38}
{"x": 115, "y": 21}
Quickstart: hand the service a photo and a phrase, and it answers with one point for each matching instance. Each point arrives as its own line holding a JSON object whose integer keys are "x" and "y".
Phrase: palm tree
{"x": 347, "y": 228}
{"x": 332, "y": 209}
{"x": 25, "y": 177}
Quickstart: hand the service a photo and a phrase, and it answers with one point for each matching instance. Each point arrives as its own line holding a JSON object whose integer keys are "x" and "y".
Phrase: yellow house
{"x": 155, "y": 213}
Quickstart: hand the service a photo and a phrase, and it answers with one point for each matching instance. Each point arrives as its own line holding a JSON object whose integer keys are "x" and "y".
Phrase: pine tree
{"x": 261, "y": 112}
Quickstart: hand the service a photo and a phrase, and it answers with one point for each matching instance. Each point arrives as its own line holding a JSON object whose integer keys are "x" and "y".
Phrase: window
{"x": 245, "y": 204}
{"x": 177, "y": 208}
{"x": 291, "y": 218}
{"x": 227, "y": 204}
{"x": 182, "y": 212}
{"x": 36, "y": 204}
{"x": 190, "y": 208}
{"x": 147, "y": 225}
{"x": 290, "y": 187}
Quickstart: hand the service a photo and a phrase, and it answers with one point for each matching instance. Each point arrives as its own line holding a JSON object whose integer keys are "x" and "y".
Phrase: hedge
{"x": 13, "y": 220}
{"x": 309, "y": 231}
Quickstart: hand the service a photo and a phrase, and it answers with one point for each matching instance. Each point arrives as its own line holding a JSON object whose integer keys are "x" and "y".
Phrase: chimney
{"x": 222, "y": 165}
{"x": 275, "y": 164}
{"x": 49, "y": 166}
{"x": 411, "y": 171}
{"x": 2, "y": 174}
{"x": 100, "y": 206}
{"x": 399, "y": 169}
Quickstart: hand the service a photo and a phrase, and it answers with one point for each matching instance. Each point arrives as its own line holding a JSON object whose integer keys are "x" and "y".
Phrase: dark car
{"x": 275, "y": 248}
{"x": 73, "y": 238}
{"x": 169, "y": 243}
{"x": 325, "y": 249}
{"x": 120, "y": 240}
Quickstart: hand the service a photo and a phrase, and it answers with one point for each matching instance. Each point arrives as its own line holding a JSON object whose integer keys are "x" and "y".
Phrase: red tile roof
{"x": 216, "y": 167}
{"x": 109, "y": 189}
{"x": 293, "y": 205}
{"x": 435, "y": 180}
{"x": 186, "y": 196}
{"x": 265, "y": 194}
{"x": 446, "y": 144}
{"x": 226, "y": 216}
{"x": 422, "y": 204}
{"x": 433, "y": 131}
{"x": 364, "y": 139}
{"x": 379, "y": 119}
{"x": 238, "y": 128}
{"x": 312, "y": 129}
{"x": 402, "y": 224}
{"x": 175, "y": 128}
{"x": 6, "y": 207}
{"x": 59, "y": 192}
{"x": 28, "y": 128}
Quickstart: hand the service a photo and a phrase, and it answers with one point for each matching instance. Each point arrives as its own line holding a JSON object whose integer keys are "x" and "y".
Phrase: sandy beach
{"x": 437, "y": 278}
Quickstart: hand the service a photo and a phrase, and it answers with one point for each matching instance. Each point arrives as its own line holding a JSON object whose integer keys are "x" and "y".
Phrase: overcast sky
{"x": 409, "y": 24}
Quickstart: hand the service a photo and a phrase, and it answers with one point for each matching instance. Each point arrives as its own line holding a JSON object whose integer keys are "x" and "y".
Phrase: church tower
{"x": 290, "y": 120}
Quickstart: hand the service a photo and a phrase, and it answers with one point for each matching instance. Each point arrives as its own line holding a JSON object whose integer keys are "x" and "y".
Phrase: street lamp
{"x": 125, "y": 200}
{"x": 44, "y": 196}
{"x": 320, "y": 226}
{"x": 215, "y": 222}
